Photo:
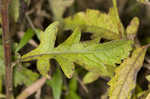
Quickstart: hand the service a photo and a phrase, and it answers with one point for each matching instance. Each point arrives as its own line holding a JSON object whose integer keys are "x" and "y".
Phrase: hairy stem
{"x": 7, "y": 48}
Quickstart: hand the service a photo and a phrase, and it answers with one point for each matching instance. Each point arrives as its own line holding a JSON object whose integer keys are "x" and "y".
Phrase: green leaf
{"x": 90, "y": 77}
{"x": 73, "y": 85}
{"x": 14, "y": 9}
{"x": 47, "y": 45}
{"x": 124, "y": 81}
{"x": 24, "y": 76}
{"x": 92, "y": 57}
{"x": 27, "y": 36}
{"x": 100, "y": 24}
{"x": 132, "y": 28}
{"x": 58, "y": 7}
{"x": 56, "y": 83}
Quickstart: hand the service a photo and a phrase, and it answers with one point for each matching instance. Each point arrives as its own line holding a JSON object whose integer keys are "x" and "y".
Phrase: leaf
{"x": 56, "y": 83}
{"x": 90, "y": 77}
{"x": 73, "y": 85}
{"x": 124, "y": 81}
{"x": 27, "y": 36}
{"x": 47, "y": 44}
{"x": 132, "y": 28}
{"x": 24, "y": 76}
{"x": 92, "y": 57}
{"x": 100, "y": 24}
{"x": 14, "y": 9}
{"x": 58, "y": 7}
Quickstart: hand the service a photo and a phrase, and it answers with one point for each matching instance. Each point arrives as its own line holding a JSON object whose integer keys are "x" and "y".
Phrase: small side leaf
{"x": 73, "y": 84}
{"x": 123, "y": 83}
{"x": 132, "y": 28}
{"x": 56, "y": 84}
{"x": 27, "y": 36}
{"x": 90, "y": 77}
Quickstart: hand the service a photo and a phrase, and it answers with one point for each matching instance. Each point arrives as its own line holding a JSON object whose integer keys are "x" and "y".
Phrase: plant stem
{"x": 7, "y": 48}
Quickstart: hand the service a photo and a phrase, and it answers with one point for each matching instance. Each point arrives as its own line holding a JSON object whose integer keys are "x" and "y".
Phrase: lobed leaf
{"x": 103, "y": 25}
{"x": 124, "y": 81}
{"x": 98, "y": 58}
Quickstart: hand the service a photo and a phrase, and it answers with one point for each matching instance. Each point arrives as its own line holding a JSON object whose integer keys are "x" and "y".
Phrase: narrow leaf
{"x": 124, "y": 81}
{"x": 56, "y": 84}
{"x": 90, "y": 77}
{"x": 132, "y": 28}
{"x": 27, "y": 36}
{"x": 73, "y": 85}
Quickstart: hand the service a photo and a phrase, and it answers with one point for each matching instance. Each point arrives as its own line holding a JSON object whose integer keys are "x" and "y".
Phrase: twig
{"x": 30, "y": 23}
{"x": 32, "y": 89}
{"x": 7, "y": 48}
{"x": 38, "y": 94}
{"x": 82, "y": 85}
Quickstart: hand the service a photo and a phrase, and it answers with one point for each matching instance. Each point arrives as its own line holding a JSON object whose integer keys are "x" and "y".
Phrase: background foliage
{"x": 91, "y": 49}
